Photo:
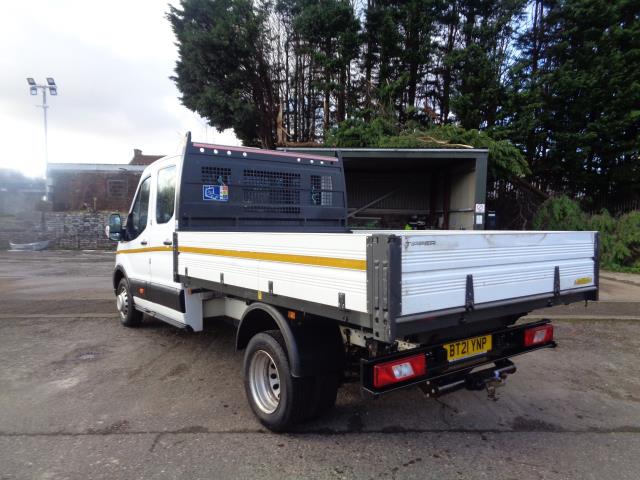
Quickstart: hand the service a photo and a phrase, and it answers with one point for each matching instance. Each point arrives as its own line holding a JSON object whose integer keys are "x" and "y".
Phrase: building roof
{"x": 140, "y": 159}
{"x": 395, "y": 152}
{"x": 95, "y": 167}
{"x": 401, "y": 158}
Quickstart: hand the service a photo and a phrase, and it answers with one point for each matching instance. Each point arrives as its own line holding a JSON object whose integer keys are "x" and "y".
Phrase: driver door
{"x": 134, "y": 252}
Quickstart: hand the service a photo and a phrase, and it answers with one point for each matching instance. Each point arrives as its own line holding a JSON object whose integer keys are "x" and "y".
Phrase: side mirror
{"x": 114, "y": 229}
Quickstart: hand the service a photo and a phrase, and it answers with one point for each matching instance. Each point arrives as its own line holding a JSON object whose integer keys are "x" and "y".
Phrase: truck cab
{"x": 144, "y": 256}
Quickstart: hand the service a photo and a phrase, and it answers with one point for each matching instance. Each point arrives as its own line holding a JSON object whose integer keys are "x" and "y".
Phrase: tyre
{"x": 129, "y": 316}
{"x": 279, "y": 400}
{"x": 326, "y": 391}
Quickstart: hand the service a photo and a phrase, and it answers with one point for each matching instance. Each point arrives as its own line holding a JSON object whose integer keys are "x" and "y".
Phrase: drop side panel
{"x": 503, "y": 266}
{"x": 314, "y": 267}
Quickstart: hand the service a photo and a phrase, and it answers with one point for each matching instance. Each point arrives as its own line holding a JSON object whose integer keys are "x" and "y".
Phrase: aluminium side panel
{"x": 439, "y": 269}
{"x": 324, "y": 268}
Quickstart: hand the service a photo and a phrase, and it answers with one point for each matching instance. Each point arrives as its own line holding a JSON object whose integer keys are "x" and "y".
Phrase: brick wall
{"x": 73, "y": 191}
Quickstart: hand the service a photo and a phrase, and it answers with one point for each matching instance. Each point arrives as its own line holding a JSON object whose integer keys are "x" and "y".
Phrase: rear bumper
{"x": 445, "y": 377}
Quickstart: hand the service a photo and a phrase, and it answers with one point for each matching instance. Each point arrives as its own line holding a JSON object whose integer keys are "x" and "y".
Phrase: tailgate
{"x": 467, "y": 269}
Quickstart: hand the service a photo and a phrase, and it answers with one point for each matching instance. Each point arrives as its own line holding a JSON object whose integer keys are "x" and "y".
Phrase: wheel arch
{"x": 314, "y": 345}
{"x": 118, "y": 274}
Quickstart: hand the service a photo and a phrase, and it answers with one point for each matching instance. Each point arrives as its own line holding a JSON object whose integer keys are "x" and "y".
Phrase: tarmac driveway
{"x": 83, "y": 397}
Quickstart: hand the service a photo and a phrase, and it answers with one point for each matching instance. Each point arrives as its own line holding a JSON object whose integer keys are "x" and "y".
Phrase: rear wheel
{"x": 326, "y": 391}
{"x": 276, "y": 398}
{"x": 129, "y": 316}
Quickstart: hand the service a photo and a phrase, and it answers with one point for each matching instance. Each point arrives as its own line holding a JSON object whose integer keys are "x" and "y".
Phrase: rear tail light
{"x": 538, "y": 335}
{"x": 399, "y": 370}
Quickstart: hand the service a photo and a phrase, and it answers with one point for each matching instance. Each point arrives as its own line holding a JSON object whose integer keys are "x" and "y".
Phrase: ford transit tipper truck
{"x": 260, "y": 238}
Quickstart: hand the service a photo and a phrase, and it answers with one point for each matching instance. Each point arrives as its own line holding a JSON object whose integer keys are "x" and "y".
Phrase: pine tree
{"x": 578, "y": 118}
{"x": 223, "y": 71}
{"x": 480, "y": 62}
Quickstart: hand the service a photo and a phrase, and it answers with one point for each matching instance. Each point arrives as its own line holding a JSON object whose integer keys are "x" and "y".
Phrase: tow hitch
{"x": 488, "y": 379}
{"x": 498, "y": 380}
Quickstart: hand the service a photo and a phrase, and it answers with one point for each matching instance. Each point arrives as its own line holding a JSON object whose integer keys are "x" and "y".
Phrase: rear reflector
{"x": 399, "y": 370}
{"x": 538, "y": 335}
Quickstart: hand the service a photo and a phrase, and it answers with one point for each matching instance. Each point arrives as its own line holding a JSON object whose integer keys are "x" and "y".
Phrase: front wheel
{"x": 276, "y": 398}
{"x": 129, "y": 316}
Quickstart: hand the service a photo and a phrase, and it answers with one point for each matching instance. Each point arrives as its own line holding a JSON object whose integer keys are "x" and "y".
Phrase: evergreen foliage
{"x": 504, "y": 158}
{"x": 574, "y": 99}
{"x": 626, "y": 251}
{"x": 619, "y": 237}
{"x": 557, "y": 78}
{"x": 560, "y": 213}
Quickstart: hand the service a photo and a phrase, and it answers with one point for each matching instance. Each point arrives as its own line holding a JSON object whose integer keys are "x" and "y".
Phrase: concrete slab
{"x": 619, "y": 289}
{"x": 630, "y": 278}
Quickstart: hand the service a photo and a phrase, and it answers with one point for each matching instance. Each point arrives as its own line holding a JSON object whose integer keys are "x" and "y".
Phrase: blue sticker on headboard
{"x": 216, "y": 193}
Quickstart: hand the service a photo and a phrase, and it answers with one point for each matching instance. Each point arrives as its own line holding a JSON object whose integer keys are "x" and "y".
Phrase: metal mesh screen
{"x": 272, "y": 209}
{"x": 268, "y": 187}
{"x": 321, "y": 190}
{"x": 215, "y": 175}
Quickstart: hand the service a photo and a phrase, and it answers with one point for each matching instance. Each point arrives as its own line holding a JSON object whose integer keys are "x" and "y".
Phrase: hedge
{"x": 619, "y": 236}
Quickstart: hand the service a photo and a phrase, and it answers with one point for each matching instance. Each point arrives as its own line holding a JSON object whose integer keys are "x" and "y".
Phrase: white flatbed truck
{"x": 260, "y": 238}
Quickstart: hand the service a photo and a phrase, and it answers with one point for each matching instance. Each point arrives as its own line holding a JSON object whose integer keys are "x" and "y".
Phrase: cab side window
{"x": 166, "y": 196}
{"x": 140, "y": 210}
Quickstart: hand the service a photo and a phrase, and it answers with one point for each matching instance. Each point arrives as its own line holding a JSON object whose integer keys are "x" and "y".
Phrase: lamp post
{"x": 53, "y": 90}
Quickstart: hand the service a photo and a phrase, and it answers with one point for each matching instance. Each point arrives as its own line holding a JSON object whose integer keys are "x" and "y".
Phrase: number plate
{"x": 469, "y": 347}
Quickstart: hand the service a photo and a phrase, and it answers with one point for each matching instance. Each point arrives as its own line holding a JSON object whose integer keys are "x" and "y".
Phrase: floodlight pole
{"x": 44, "y": 107}
{"x": 53, "y": 89}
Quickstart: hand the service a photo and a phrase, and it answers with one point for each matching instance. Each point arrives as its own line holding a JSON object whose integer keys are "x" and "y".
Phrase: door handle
{"x": 143, "y": 242}
{"x": 168, "y": 242}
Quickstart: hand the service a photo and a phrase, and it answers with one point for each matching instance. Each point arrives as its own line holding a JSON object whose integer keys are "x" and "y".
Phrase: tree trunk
{"x": 445, "y": 106}
{"x": 325, "y": 105}
{"x": 412, "y": 50}
{"x": 266, "y": 101}
{"x": 340, "y": 112}
{"x": 368, "y": 67}
{"x": 327, "y": 86}
{"x": 287, "y": 92}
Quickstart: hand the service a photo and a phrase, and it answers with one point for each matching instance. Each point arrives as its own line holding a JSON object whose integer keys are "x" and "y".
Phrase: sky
{"x": 112, "y": 62}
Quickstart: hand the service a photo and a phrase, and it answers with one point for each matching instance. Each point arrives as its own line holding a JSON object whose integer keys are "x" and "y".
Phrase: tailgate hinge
{"x": 469, "y": 302}
{"x": 341, "y": 301}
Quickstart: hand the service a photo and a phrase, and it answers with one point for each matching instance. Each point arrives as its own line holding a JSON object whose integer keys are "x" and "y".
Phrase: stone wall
{"x": 78, "y": 230}
{"x": 66, "y": 230}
